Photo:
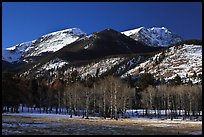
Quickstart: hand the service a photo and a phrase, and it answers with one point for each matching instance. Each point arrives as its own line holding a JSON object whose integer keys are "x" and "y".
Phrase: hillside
{"x": 184, "y": 60}
{"x": 107, "y": 43}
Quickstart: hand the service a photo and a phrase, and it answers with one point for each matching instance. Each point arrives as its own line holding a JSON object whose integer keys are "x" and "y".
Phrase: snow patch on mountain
{"x": 54, "y": 67}
{"x": 14, "y": 53}
{"x": 51, "y": 42}
{"x": 55, "y": 41}
{"x": 50, "y": 67}
{"x": 154, "y": 36}
{"x": 54, "y": 64}
{"x": 132, "y": 32}
{"x": 183, "y": 60}
{"x": 103, "y": 66}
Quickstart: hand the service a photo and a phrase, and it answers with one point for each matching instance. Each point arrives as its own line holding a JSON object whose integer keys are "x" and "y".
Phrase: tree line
{"x": 109, "y": 96}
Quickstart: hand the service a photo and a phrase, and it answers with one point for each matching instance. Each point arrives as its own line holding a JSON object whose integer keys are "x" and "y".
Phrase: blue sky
{"x": 25, "y": 21}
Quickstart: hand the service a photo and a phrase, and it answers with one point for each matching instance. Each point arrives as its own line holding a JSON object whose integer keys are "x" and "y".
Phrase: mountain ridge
{"x": 155, "y": 36}
{"x": 48, "y": 43}
{"x": 104, "y": 52}
{"x": 54, "y": 41}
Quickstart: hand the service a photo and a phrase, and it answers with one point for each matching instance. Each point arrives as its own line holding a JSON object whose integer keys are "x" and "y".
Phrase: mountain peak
{"x": 51, "y": 42}
{"x": 54, "y": 41}
{"x": 155, "y": 36}
{"x": 133, "y": 31}
{"x": 73, "y": 31}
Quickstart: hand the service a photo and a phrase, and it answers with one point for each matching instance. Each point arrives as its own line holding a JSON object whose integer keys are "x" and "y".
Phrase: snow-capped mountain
{"x": 104, "y": 44}
{"x": 184, "y": 60}
{"x": 48, "y": 43}
{"x": 14, "y": 53}
{"x": 107, "y": 52}
{"x": 52, "y": 42}
{"x": 154, "y": 36}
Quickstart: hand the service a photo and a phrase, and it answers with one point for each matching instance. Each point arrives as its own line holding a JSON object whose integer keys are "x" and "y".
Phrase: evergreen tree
{"x": 10, "y": 92}
{"x": 144, "y": 80}
{"x": 176, "y": 80}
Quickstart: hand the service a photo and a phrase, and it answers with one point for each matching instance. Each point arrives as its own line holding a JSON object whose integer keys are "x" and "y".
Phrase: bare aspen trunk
{"x": 59, "y": 105}
{"x": 28, "y": 108}
{"x": 67, "y": 109}
{"x": 40, "y": 108}
{"x": 7, "y": 109}
{"x": 99, "y": 108}
{"x": 83, "y": 114}
{"x": 70, "y": 105}
{"x": 43, "y": 109}
{"x": 87, "y": 106}
{"x": 22, "y": 108}
{"x": 51, "y": 109}
{"x": 47, "y": 109}
{"x": 124, "y": 109}
{"x": 94, "y": 105}
{"x": 115, "y": 104}
{"x": 111, "y": 105}
{"x": 104, "y": 105}
{"x": 75, "y": 103}
{"x": 94, "y": 98}
{"x": 56, "y": 109}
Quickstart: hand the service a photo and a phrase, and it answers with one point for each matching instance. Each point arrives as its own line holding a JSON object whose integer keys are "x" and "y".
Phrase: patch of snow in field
{"x": 158, "y": 120}
{"x": 196, "y": 133}
{"x": 37, "y": 115}
{"x": 8, "y": 125}
{"x": 141, "y": 119}
{"x": 161, "y": 125}
{"x": 5, "y": 132}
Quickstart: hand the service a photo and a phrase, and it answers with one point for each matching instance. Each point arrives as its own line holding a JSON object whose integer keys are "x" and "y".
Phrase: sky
{"x": 26, "y": 21}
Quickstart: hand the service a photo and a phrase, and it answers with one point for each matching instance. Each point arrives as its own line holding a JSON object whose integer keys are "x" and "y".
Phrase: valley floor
{"x": 52, "y": 124}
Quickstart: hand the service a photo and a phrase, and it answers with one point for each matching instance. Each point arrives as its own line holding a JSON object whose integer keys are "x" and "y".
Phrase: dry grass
{"x": 60, "y": 126}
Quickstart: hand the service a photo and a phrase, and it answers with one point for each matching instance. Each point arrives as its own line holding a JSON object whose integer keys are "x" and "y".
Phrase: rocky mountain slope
{"x": 184, "y": 60}
{"x": 155, "y": 36}
{"x": 106, "y": 52}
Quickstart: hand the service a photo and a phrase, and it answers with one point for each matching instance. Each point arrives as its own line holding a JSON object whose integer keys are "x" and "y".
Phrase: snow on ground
{"x": 131, "y": 114}
{"x": 196, "y": 133}
{"x": 160, "y": 120}
{"x": 5, "y": 132}
{"x": 133, "y": 118}
{"x": 43, "y": 115}
{"x": 35, "y": 123}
